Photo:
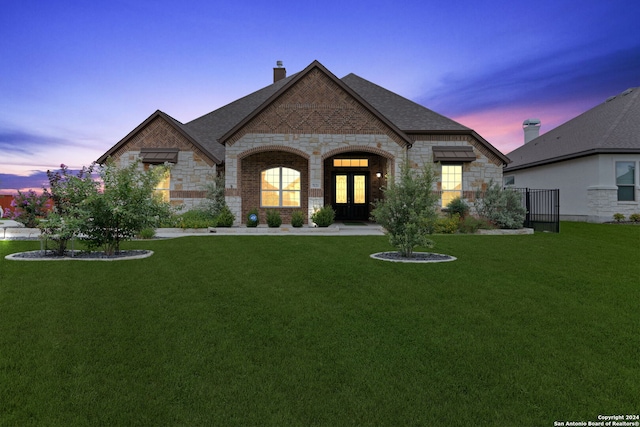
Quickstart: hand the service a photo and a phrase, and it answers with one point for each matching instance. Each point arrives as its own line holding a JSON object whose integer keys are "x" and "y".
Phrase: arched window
{"x": 280, "y": 187}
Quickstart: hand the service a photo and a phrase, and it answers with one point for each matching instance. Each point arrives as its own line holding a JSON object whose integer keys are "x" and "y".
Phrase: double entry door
{"x": 350, "y": 195}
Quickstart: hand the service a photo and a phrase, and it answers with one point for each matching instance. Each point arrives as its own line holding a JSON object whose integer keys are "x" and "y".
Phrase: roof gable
{"x": 610, "y": 127}
{"x": 315, "y": 101}
{"x": 151, "y": 126}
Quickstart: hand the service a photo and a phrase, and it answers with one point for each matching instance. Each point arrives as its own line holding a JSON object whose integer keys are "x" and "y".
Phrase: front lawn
{"x": 305, "y": 331}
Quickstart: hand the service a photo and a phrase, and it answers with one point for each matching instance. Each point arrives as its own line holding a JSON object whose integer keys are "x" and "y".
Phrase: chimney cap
{"x": 279, "y": 64}
{"x": 531, "y": 122}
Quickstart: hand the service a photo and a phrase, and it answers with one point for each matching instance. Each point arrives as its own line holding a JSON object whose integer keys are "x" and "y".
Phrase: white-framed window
{"x": 509, "y": 180}
{"x": 280, "y": 187}
{"x": 626, "y": 181}
{"x": 451, "y": 183}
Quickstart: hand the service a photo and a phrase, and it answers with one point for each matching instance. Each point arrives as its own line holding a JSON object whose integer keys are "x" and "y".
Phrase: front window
{"x": 626, "y": 180}
{"x": 280, "y": 187}
{"x": 451, "y": 183}
{"x": 164, "y": 186}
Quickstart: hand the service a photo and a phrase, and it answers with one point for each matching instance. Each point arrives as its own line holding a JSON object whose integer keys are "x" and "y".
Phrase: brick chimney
{"x": 279, "y": 72}
{"x": 531, "y": 129}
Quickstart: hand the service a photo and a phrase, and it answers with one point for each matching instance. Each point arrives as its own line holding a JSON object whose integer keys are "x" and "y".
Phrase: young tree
{"x": 69, "y": 194}
{"x": 408, "y": 210}
{"x": 126, "y": 205}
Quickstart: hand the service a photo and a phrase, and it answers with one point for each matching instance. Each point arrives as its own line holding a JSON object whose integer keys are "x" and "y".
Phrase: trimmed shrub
{"x": 324, "y": 216}
{"x": 225, "y": 217}
{"x": 501, "y": 207}
{"x": 471, "y": 224}
{"x": 297, "y": 219}
{"x": 458, "y": 206}
{"x": 618, "y": 217}
{"x": 635, "y": 217}
{"x": 447, "y": 225}
{"x": 273, "y": 218}
{"x": 196, "y": 218}
{"x": 253, "y": 218}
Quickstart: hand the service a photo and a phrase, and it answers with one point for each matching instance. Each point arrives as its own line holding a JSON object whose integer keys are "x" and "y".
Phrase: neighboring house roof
{"x": 401, "y": 115}
{"x": 611, "y": 127}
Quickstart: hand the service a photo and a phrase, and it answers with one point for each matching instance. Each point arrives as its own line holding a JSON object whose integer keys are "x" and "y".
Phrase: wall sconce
{"x": 379, "y": 174}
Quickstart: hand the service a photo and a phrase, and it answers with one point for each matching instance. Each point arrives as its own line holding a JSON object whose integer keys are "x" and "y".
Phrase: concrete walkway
{"x": 13, "y": 230}
{"x": 337, "y": 229}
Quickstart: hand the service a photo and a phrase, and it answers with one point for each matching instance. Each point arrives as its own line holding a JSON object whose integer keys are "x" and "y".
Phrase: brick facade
{"x": 306, "y": 124}
{"x": 251, "y": 168}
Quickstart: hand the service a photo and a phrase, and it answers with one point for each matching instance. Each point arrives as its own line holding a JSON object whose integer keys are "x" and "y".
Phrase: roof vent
{"x": 611, "y": 98}
{"x": 627, "y": 92}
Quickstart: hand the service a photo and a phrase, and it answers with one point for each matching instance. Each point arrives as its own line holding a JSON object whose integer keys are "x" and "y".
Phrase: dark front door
{"x": 350, "y": 195}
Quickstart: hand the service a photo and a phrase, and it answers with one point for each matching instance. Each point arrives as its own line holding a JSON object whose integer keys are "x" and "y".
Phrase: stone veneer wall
{"x": 298, "y": 149}
{"x": 188, "y": 177}
{"x": 315, "y": 149}
{"x": 476, "y": 175}
{"x": 603, "y": 203}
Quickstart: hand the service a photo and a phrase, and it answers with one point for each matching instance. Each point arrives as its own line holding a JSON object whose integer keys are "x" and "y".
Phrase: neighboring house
{"x": 593, "y": 159}
{"x": 309, "y": 140}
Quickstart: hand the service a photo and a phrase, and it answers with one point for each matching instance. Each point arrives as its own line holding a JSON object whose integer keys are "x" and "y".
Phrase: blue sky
{"x": 77, "y": 76}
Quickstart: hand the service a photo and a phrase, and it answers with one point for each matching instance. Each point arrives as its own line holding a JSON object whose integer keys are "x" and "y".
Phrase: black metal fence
{"x": 543, "y": 209}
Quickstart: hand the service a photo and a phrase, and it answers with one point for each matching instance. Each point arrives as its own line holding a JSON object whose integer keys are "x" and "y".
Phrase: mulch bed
{"x": 80, "y": 255}
{"x": 417, "y": 257}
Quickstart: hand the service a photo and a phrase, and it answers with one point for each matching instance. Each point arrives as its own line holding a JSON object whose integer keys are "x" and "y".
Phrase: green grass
{"x": 305, "y": 331}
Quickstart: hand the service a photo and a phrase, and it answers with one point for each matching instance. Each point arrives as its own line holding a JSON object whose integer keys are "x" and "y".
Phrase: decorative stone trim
{"x": 284, "y": 148}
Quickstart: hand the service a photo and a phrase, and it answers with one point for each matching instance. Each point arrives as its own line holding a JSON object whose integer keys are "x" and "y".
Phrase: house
{"x": 593, "y": 160}
{"x": 309, "y": 140}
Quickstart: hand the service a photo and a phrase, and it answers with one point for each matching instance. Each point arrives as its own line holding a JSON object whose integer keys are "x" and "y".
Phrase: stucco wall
{"x": 588, "y": 190}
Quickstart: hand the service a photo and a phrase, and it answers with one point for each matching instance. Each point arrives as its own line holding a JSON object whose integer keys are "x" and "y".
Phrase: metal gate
{"x": 543, "y": 209}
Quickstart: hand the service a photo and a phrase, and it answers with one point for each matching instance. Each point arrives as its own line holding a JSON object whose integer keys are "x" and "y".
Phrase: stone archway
{"x": 353, "y": 178}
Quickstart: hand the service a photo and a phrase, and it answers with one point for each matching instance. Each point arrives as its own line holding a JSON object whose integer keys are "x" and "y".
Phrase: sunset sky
{"x": 77, "y": 76}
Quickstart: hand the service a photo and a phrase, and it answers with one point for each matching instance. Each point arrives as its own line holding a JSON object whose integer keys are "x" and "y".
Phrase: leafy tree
{"x": 408, "y": 210}
{"x": 125, "y": 206}
{"x": 69, "y": 193}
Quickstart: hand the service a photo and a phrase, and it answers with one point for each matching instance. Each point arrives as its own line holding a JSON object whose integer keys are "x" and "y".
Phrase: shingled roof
{"x": 611, "y": 127}
{"x": 404, "y": 113}
{"x": 399, "y": 113}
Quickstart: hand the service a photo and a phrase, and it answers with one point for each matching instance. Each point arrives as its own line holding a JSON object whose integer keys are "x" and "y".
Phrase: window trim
{"x": 280, "y": 190}
{"x": 442, "y": 190}
{"x": 633, "y": 185}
